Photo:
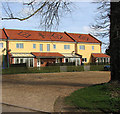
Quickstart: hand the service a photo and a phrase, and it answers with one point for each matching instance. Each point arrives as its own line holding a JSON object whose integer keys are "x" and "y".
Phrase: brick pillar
{"x": 35, "y": 62}
{"x": 11, "y": 60}
{"x": 62, "y": 60}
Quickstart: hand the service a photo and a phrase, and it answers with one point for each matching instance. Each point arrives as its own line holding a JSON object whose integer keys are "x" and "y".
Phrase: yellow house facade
{"x": 89, "y": 48}
{"x": 41, "y": 48}
{"x": 28, "y": 46}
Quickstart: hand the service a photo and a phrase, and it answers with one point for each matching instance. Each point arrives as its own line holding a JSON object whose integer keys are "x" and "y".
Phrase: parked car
{"x": 107, "y": 68}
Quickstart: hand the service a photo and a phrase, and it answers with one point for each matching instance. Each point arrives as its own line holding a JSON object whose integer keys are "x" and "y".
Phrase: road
{"x": 40, "y": 91}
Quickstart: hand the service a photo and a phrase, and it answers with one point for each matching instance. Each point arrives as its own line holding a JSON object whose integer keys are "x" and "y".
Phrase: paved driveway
{"x": 39, "y": 91}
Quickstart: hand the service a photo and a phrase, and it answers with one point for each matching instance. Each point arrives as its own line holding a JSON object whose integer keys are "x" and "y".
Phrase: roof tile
{"x": 48, "y": 36}
{"x": 46, "y": 54}
{"x": 99, "y": 55}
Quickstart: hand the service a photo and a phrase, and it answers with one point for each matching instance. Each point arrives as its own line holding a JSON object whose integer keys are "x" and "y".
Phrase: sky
{"x": 83, "y": 14}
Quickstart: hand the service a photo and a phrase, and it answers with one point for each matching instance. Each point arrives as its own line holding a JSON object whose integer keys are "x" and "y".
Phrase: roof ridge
{"x": 35, "y": 30}
{"x": 95, "y": 38}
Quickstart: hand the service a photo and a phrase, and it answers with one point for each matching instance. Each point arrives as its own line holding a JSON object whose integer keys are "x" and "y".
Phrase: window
{"x": 92, "y": 47}
{"x": 66, "y": 46}
{"x": 48, "y": 47}
{"x": 84, "y": 59}
{"x": 16, "y": 60}
{"x": 21, "y": 60}
{"x": 19, "y": 45}
{"x": 66, "y": 60}
{"x": 34, "y": 46}
{"x": 31, "y": 62}
{"x": 54, "y": 46}
{"x": 82, "y": 47}
{"x": 1, "y": 45}
{"x": 41, "y": 47}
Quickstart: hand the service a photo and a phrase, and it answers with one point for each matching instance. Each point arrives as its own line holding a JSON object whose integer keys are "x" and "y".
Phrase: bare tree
{"x": 101, "y": 27}
{"x": 49, "y": 12}
{"x": 108, "y": 25}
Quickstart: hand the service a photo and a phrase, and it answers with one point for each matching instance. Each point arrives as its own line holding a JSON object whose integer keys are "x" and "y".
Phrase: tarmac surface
{"x": 38, "y": 92}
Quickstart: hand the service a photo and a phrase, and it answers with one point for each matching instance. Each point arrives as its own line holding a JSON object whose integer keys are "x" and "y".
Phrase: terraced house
{"x": 42, "y": 48}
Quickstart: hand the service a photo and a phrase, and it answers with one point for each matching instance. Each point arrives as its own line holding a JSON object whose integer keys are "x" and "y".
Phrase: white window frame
{"x": 34, "y": 46}
{"x": 41, "y": 47}
{"x": 24, "y": 61}
{"x": 83, "y": 59}
{"x": 48, "y": 47}
{"x": 1, "y": 45}
{"x": 66, "y": 46}
{"x": 20, "y": 45}
{"x": 54, "y": 46}
{"x": 82, "y": 47}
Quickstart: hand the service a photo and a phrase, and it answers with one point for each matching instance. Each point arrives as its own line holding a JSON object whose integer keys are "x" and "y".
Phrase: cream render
{"x": 28, "y": 46}
{"x": 4, "y": 46}
{"x": 88, "y": 50}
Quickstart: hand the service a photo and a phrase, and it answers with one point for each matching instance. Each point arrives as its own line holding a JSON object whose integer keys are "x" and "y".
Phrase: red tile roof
{"x": 84, "y": 38}
{"x": 47, "y": 54}
{"x": 37, "y": 35}
{"x": 99, "y": 55}
{"x": 47, "y": 36}
{"x": 2, "y": 35}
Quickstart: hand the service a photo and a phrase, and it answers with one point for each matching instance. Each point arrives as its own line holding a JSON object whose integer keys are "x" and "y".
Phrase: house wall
{"x": 28, "y": 47}
{"x": 88, "y": 50}
{"x": 4, "y": 46}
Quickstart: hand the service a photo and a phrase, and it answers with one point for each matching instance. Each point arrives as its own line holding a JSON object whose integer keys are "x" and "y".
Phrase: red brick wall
{"x": 48, "y": 60}
{"x": 11, "y": 60}
{"x": 75, "y": 47}
{"x": 45, "y": 61}
{"x": 62, "y": 60}
{"x": 35, "y": 62}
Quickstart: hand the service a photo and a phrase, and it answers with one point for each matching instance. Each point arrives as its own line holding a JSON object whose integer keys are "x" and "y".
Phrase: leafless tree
{"x": 101, "y": 26}
{"x": 108, "y": 25}
{"x": 49, "y": 12}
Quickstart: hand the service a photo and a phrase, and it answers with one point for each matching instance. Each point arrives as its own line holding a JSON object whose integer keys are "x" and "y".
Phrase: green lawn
{"x": 104, "y": 97}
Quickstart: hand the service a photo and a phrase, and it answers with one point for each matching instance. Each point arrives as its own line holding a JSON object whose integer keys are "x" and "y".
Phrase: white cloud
{"x": 86, "y": 29}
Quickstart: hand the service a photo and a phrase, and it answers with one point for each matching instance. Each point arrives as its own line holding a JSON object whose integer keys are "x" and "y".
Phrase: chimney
{"x": 73, "y": 40}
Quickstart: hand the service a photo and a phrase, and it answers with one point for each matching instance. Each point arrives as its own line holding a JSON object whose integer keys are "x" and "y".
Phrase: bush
{"x": 96, "y": 67}
{"x": 19, "y": 70}
{"x": 75, "y": 68}
{"x": 62, "y": 64}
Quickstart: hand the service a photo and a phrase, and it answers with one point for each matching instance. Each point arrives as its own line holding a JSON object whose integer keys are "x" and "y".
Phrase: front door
{"x": 38, "y": 62}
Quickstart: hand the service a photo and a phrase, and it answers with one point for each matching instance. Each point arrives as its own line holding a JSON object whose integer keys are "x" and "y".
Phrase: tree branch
{"x": 22, "y": 19}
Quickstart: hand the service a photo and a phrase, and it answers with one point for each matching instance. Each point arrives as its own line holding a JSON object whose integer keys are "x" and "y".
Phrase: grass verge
{"x": 103, "y": 97}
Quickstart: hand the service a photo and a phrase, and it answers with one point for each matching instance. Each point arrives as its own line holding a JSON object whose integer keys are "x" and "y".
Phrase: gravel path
{"x": 40, "y": 91}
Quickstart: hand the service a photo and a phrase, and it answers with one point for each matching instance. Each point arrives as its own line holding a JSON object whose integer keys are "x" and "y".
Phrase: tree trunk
{"x": 115, "y": 41}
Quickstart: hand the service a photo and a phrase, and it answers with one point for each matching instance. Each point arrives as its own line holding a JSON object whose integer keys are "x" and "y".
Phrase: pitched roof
{"x": 47, "y": 54}
{"x": 2, "y": 34}
{"x": 47, "y": 36}
{"x": 83, "y": 38}
{"x": 99, "y": 55}
{"x": 37, "y": 35}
